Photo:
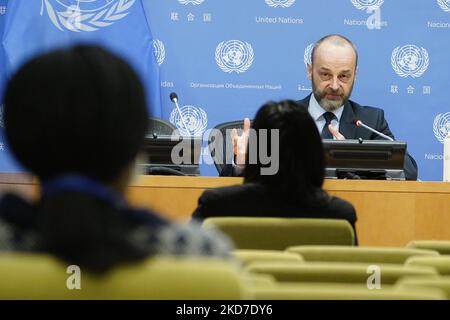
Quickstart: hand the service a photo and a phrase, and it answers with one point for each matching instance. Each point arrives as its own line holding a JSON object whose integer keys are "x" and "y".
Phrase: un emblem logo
{"x": 159, "y": 51}
{"x": 366, "y": 4}
{"x": 234, "y": 56}
{"x": 441, "y": 126}
{"x": 444, "y": 4}
{"x": 193, "y": 123}
{"x": 410, "y": 60}
{"x": 194, "y": 2}
{"x": 280, "y": 3}
{"x": 85, "y": 15}
{"x": 308, "y": 53}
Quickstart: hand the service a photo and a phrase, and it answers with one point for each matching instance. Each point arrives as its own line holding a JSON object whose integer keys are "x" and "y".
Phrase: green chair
{"x": 280, "y": 233}
{"x": 27, "y": 276}
{"x": 441, "y": 246}
{"x": 257, "y": 280}
{"x": 441, "y": 263}
{"x": 338, "y": 272}
{"x": 414, "y": 283}
{"x": 249, "y": 256}
{"x": 358, "y": 254}
{"x": 342, "y": 292}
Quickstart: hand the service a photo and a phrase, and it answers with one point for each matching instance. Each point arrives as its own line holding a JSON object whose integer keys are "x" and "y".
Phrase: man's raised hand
{"x": 240, "y": 143}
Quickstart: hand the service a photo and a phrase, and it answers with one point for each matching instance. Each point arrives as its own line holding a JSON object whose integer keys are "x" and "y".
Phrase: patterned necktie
{"x": 326, "y": 134}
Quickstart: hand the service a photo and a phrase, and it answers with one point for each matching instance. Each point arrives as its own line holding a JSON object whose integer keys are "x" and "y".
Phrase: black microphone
{"x": 174, "y": 98}
{"x": 359, "y": 123}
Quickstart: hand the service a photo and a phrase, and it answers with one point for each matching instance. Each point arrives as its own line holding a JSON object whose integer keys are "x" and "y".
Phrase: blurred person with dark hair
{"x": 295, "y": 190}
{"x": 76, "y": 118}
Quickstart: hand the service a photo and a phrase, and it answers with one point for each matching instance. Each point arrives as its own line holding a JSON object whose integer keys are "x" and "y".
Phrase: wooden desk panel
{"x": 175, "y": 197}
{"x": 19, "y": 183}
{"x": 390, "y": 213}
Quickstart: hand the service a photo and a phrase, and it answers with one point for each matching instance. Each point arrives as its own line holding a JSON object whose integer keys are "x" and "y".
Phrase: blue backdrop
{"x": 226, "y": 58}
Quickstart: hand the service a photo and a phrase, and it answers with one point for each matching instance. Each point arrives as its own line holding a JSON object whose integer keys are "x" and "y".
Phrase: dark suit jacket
{"x": 373, "y": 117}
{"x": 257, "y": 200}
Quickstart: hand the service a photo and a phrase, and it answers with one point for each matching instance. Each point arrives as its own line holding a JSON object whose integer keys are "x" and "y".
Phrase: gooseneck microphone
{"x": 174, "y": 98}
{"x": 359, "y": 123}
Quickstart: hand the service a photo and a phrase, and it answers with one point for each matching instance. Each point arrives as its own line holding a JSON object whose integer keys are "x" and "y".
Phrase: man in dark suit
{"x": 332, "y": 72}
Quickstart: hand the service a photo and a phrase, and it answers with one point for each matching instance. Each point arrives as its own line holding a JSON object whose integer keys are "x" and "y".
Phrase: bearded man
{"x": 333, "y": 68}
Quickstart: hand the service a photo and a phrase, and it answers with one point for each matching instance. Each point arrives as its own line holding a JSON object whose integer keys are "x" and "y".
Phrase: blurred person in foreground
{"x": 76, "y": 118}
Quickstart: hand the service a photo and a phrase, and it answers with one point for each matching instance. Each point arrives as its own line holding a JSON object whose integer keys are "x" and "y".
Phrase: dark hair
{"x": 81, "y": 111}
{"x": 337, "y": 39}
{"x": 301, "y": 157}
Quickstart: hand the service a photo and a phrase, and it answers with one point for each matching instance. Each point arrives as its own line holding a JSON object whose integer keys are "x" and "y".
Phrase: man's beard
{"x": 327, "y": 104}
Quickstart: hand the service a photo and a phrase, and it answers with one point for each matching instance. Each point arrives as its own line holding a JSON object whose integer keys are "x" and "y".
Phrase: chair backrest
{"x": 158, "y": 127}
{"x": 332, "y": 291}
{"x": 337, "y": 272}
{"x": 249, "y": 256}
{"x": 27, "y": 276}
{"x": 414, "y": 283}
{"x": 281, "y": 233}
{"x": 441, "y": 246}
{"x": 359, "y": 254}
{"x": 217, "y": 142}
{"x": 259, "y": 280}
{"x": 440, "y": 263}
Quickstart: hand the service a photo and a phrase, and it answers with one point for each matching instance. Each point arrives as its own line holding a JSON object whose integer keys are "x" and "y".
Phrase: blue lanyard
{"x": 83, "y": 185}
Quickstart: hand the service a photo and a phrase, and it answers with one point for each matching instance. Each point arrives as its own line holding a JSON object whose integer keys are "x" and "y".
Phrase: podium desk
{"x": 390, "y": 213}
